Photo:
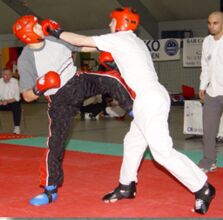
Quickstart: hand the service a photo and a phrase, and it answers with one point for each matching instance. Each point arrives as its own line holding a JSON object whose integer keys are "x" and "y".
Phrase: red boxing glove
{"x": 106, "y": 60}
{"x": 50, "y": 80}
{"x": 49, "y": 25}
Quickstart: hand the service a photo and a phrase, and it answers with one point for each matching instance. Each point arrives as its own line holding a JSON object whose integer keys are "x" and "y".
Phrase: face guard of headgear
{"x": 23, "y": 28}
{"x": 126, "y": 18}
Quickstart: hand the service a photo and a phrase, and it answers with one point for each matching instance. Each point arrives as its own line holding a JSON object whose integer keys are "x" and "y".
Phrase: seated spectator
{"x": 10, "y": 97}
{"x": 102, "y": 106}
{"x": 114, "y": 110}
{"x": 93, "y": 107}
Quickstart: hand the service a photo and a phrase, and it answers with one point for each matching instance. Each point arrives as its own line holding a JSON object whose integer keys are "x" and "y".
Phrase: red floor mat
{"x": 13, "y": 136}
{"x": 87, "y": 178}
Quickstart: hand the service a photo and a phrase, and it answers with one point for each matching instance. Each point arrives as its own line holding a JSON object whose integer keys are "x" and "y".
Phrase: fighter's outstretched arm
{"x": 53, "y": 28}
{"x": 77, "y": 39}
{"x": 88, "y": 49}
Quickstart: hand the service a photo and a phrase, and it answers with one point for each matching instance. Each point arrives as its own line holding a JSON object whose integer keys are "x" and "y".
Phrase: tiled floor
{"x": 35, "y": 122}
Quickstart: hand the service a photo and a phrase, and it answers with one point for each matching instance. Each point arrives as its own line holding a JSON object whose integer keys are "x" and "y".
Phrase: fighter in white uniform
{"x": 150, "y": 109}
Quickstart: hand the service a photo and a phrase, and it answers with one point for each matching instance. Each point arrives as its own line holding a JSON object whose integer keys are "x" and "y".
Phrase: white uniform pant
{"x": 150, "y": 128}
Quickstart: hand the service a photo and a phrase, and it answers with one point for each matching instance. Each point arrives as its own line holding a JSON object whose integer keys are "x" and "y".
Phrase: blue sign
{"x": 171, "y": 47}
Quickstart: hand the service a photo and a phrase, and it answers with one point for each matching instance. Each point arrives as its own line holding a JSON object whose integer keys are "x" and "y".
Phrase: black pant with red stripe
{"x": 62, "y": 108}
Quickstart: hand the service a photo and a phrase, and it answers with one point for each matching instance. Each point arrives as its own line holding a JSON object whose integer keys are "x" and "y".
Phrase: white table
{"x": 193, "y": 119}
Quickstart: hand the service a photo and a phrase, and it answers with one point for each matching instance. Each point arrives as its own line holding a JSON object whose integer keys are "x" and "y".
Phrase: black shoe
{"x": 121, "y": 192}
{"x": 92, "y": 117}
{"x": 203, "y": 198}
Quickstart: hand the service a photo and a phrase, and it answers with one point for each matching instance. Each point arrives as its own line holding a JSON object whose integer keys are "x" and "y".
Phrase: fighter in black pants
{"x": 46, "y": 67}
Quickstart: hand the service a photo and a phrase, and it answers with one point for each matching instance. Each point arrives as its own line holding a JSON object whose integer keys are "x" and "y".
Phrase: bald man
{"x": 211, "y": 89}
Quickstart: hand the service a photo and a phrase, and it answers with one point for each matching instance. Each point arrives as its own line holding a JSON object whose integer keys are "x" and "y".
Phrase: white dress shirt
{"x": 9, "y": 90}
{"x": 211, "y": 78}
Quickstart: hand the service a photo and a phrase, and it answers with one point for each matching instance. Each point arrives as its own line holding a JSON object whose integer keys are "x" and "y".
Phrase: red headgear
{"x": 106, "y": 60}
{"x": 105, "y": 57}
{"x": 127, "y": 19}
{"x": 23, "y": 29}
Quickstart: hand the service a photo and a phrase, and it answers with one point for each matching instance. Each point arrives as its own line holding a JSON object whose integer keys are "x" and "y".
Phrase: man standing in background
{"x": 211, "y": 89}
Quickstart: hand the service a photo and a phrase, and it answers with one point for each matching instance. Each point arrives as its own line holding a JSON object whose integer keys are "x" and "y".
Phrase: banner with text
{"x": 164, "y": 49}
{"x": 192, "y": 48}
{"x": 193, "y": 119}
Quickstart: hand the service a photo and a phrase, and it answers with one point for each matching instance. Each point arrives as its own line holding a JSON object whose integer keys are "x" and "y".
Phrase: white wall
{"x": 172, "y": 74}
{"x": 199, "y": 27}
{"x": 8, "y": 40}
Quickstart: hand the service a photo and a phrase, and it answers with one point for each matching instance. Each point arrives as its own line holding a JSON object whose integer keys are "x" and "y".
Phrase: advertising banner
{"x": 192, "y": 48}
{"x": 164, "y": 49}
{"x": 193, "y": 119}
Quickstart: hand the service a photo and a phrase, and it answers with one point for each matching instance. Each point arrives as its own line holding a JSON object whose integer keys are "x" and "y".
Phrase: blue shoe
{"x": 48, "y": 196}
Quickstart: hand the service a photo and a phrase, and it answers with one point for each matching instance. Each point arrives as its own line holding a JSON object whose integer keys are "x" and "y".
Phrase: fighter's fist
{"x": 51, "y": 27}
{"x": 106, "y": 60}
{"x": 50, "y": 80}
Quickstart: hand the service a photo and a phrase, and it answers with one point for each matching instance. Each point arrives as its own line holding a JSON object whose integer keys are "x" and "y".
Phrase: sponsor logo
{"x": 171, "y": 47}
